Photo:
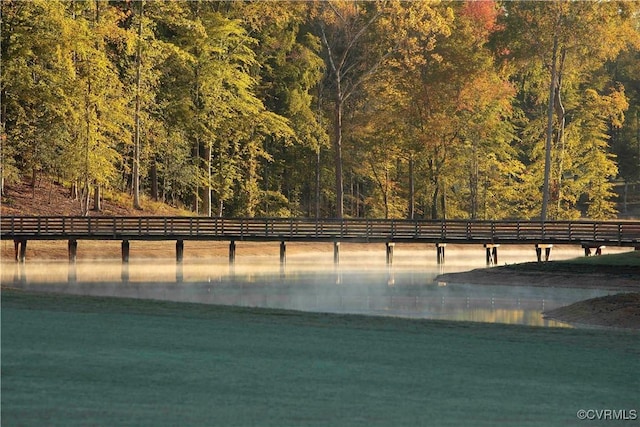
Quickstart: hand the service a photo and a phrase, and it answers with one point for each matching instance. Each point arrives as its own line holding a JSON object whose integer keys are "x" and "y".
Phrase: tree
{"x": 213, "y": 96}
{"x": 36, "y": 66}
{"x": 287, "y": 83}
{"x": 359, "y": 39}
{"x": 446, "y": 108}
{"x": 136, "y": 138}
{"x": 571, "y": 40}
{"x": 103, "y": 117}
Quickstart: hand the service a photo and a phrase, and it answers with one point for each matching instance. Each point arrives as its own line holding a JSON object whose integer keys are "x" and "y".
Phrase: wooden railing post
{"x": 619, "y": 233}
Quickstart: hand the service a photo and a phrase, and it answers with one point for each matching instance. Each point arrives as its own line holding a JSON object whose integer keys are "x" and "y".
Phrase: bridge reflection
{"x": 382, "y": 292}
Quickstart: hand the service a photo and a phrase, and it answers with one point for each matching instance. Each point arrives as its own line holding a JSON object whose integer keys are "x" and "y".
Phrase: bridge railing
{"x": 510, "y": 231}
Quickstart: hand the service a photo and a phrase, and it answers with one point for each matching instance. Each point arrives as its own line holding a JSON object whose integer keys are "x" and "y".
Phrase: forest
{"x": 330, "y": 109}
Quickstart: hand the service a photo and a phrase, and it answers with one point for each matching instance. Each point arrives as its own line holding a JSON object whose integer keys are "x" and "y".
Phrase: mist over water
{"x": 361, "y": 284}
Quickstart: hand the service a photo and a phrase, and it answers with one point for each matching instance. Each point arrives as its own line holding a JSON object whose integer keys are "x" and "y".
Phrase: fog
{"x": 362, "y": 283}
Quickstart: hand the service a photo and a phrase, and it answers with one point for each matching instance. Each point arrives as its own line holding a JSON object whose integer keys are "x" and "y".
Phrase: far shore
{"x": 619, "y": 274}
{"x": 627, "y": 280}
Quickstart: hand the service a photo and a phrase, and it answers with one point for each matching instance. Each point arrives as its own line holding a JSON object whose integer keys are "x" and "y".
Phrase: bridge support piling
{"x": 232, "y": 252}
{"x": 547, "y": 251}
{"x": 20, "y": 247}
{"x": 73, "y": 251}
{"x": 72, "y": 273}
{"x": 440, "y": 252}
{"x": 125, "y": 251}
{"x": 492, "y": 253}
{"x": 179, "y": 251}
{"x": 179, "y": 273}
{"x": 587, "y": 248}
{"x": 124, "y": 272}
{"x": 390, "y": 253}
{"x": 336, "y": 253}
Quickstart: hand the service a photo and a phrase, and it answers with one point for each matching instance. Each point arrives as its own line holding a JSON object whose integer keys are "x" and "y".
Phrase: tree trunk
{"x": 74, "y": 191}
{"x": 136, "y": 143}
{"x": 444, "y": 200}
{"x": 547, "y": 158}
{"x": 97, "y": 205}
{"x": 351, "y": 195}
{"x": 337, "y": 144}
{"x": 154, "y": 180}
{"x": 84, "y": 200}
{"x": 207, "y": 193}
{"x": 318, "y": 182}
{"x": 560, "y": 112}
{"x": 4, "y": 49}
{"x": 412, "y": 190}
{"x": 473, "y": 182}
{"x": 434, "y": 201}
{"x": 33, "y": 182}
{"x": 638, "y": 140}
{"x": 196, "y": 195}
{"x": 624, "y": 197}
{"x": 359, "y": 212}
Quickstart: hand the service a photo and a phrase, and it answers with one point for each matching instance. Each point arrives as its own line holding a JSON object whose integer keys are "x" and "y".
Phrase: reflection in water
{"x": 375, "y": 291}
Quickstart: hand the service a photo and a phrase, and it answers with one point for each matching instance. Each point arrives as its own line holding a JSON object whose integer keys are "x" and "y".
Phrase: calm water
{"x": 372, "y": 290}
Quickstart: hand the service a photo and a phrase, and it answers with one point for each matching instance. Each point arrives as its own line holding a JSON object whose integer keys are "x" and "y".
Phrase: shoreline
{"x": 509, "y": 276}
{"x": 619, "y": 311}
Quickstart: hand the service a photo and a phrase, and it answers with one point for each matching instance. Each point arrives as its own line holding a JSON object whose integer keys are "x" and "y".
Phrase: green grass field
{"x": 70, "y": 361}
{"x": 629, "y": 259}
{"x": 622, "y": 264}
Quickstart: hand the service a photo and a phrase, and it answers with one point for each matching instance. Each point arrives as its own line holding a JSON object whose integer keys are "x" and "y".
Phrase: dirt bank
{"x": 619, "y": 311}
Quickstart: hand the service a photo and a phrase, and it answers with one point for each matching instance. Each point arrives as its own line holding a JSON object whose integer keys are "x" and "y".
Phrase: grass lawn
{"x": 629, "y": 259}
{"x": 622, "y": 264}
{"x": 69, "y": 360}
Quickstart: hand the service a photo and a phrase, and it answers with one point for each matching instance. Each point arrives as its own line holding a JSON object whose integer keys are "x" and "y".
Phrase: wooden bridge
{"x": 589, "y": 234}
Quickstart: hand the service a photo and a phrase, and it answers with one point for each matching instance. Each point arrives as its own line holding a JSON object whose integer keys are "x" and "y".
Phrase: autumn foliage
{"x": 384, "y": 108}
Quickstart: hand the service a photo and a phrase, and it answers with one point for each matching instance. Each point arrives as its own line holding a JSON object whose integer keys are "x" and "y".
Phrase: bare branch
{"x": 326, "y": 43}
{"x": 369, "y": 72}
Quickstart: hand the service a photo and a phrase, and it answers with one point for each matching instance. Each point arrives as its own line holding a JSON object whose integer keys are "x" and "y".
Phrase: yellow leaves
{"x": 483, "y": 91}
{"x": 608, "y": 107}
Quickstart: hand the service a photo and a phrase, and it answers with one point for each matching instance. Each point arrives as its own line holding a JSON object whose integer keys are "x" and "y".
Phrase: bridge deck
{"x": 613, "y": 233}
